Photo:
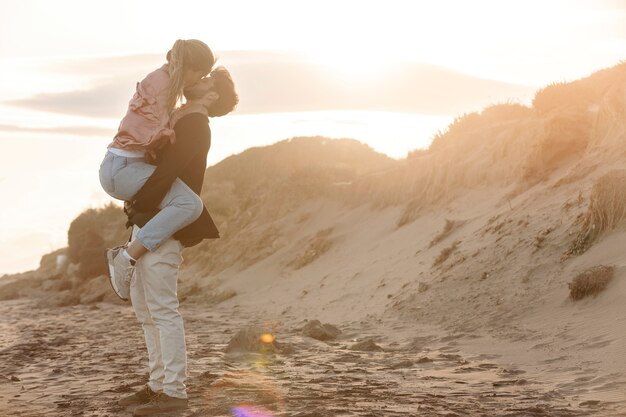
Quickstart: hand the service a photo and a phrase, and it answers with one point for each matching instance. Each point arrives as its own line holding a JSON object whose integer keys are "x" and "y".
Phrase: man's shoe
{"x": 140, "y": 397}
{"x": 120, "y": 271}
{"x": 161, "y": 403}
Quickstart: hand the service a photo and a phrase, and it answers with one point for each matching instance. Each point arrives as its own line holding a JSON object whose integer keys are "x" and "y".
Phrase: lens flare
{"x": 244, "y": 411}
{"x": 267, "y": 338}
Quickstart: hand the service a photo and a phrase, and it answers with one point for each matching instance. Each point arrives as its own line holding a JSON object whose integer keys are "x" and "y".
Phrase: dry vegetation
{"x": 260, "y": 186}
{"x": 580, "y": 93}
{"x": 470, "y": 122}
{"x": 448, "y": 229}
{"x": 558, "y": 95}
{"x": 299, "y": 159}
{"x": 607, "y": 210}
{"x": 565, "y": 136}
{"x": 315, "y": 247}
{"x": 590, "y": 282}
{"x": 541, "y": 237}
{"x": 445, "y": 254}
{"x": 504, "y": 144}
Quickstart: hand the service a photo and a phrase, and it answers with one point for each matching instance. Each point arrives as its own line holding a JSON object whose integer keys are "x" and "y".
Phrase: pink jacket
{"x": 146, "y": 125}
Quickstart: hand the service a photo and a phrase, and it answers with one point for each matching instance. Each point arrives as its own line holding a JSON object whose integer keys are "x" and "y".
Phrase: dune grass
{"x": 590, "y": 282}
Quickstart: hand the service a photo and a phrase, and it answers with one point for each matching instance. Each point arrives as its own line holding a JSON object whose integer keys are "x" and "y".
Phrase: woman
{"x": 153, "y": 289}
{"x": 145, "y": 128}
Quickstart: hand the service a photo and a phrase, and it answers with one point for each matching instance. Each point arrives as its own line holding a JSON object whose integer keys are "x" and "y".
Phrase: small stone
{"x": 366, "y": 345}
{"x": 319, "y": 331}
{"x": 402, "y": 364}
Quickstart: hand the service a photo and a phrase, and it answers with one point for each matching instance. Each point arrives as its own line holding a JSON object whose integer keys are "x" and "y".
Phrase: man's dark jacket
{"x": 185, "y": 159}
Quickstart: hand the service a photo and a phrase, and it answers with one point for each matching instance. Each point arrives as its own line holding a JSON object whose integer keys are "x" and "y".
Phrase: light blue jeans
{"x": 123, "y": 177}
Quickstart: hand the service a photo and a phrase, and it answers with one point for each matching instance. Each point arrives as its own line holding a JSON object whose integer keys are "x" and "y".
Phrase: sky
{"x": 388, "y": 73}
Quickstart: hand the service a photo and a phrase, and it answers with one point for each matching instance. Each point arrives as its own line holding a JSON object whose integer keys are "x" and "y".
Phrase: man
{"x": 153, "y": 287}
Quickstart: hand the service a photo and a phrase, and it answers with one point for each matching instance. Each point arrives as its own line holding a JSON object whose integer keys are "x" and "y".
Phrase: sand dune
{"x": 447, "y": 274}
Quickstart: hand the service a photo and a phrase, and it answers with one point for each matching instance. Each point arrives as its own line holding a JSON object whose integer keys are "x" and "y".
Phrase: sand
{"x": 78, "y": 360}
{"x": 489, "y": 330}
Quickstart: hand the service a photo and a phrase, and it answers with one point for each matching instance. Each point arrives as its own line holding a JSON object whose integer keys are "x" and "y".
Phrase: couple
{"x": 156, "y": 164}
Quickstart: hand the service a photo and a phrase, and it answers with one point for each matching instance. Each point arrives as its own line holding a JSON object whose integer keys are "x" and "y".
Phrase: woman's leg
{"x": 123, "y": 177}
{"x": 136, "y": 249}
{"x": 180, "y": 207}
{"x": 111, "y": 165}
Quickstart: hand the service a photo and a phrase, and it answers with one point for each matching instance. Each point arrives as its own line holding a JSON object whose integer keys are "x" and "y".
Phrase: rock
{"x": 254, "y": 339}
{"x": 72, "y": 269}
{"x": 319, "y": 331}
{"x": 366, "y": 345}
{"x": 20, "y": 286}
{"x": 10, "y": 291}
{"x": 56, "y": 285}
{"x": 249, "y": 340}
{"x": 402, "y": 364}
{"x": 61, "y": 299}
{"x": 95, "y": 290}
{"x": 71, "y": 273}
{"x": 50, "y": 265}
{"x": 425, "y": 359}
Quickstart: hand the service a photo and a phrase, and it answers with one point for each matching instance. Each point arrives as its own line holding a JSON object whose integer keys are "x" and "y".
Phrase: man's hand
{"x": 129, "y": 209}
{"x": 136, "y": 217}
{"x": 150, "y": 157}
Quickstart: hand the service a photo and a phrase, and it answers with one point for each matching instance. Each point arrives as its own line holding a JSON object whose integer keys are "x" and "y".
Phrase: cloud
{"x": 269, "y": 82}
{"x": 69, "y": 130}
{"x": 109, "y": 65}
{"x": 106, "y": 99}
{"x": 142, "y": 63}
{"x": 413, "y": 88}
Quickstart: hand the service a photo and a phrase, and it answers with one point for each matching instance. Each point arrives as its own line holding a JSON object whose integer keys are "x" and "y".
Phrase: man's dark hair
{"x": 224, "y": 86}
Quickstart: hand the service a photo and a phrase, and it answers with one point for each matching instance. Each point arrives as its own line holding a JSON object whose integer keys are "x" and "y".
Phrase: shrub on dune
{"x": 590, "y": 282}
{"x": 607, "y": 210}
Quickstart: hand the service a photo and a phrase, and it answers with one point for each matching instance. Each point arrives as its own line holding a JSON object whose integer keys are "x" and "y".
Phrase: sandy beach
{"x": 484, "y": 276}
{"x": 76, "y": 361}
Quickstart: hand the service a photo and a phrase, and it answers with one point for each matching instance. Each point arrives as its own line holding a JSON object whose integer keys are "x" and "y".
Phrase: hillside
{"x": 479, "y": 236}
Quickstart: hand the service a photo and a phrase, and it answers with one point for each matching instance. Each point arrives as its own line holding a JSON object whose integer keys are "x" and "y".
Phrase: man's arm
{"x": 175, "y": 158}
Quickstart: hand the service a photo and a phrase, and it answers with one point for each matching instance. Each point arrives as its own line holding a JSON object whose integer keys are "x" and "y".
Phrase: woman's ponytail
{"x": 186, "y": 54}
{"x": 175, "y": 58}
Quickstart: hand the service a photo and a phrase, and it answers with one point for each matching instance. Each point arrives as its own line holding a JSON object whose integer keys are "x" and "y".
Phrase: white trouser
{"x": 154, "y": 299}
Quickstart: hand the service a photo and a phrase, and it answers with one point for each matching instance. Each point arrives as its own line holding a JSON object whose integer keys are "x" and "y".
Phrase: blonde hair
{"x": 186, "y": 54}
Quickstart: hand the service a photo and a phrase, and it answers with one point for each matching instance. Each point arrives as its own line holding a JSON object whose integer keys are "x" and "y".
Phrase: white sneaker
{"x": 120, "y": 271}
